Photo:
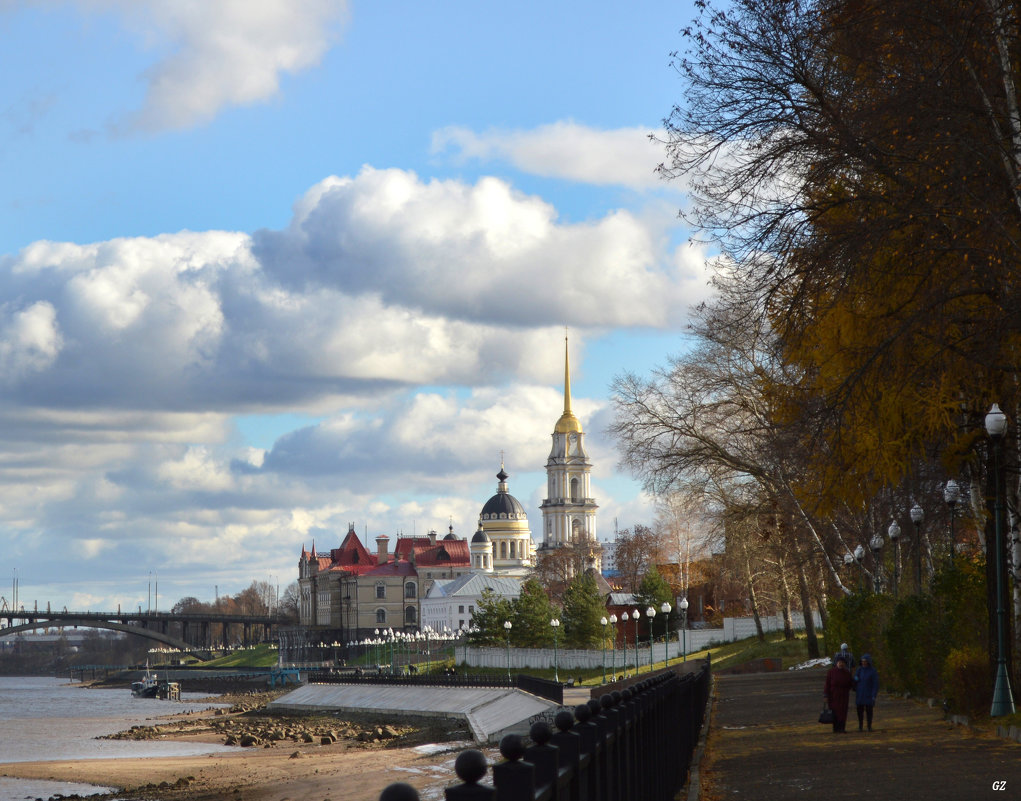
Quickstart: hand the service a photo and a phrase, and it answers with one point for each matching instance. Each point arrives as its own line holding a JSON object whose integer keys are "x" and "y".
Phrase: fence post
{"x": 470, "y": 766}
{"x": 570, "y": 744}
{"x": 514, "y": 780}
{"x": 615, "y": 752}
{"x": 399, "y": 791}
{"x": 591, "y": 747}
{"x": 545, "y": 758}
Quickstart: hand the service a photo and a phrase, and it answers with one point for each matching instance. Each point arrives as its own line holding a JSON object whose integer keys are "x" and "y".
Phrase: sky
{"x": 269, "y": 268}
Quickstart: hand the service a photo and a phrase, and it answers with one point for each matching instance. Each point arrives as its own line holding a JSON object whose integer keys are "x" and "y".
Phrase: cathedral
{"x": 351, "y": 592}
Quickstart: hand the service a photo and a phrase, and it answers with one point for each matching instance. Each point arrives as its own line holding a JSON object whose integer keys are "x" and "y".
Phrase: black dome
{"x": 503, "y": 504}
{"x": 480, "y": 536}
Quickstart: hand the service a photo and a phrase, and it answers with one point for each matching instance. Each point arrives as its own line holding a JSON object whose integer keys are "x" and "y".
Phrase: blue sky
{"x": 273, "y": 267}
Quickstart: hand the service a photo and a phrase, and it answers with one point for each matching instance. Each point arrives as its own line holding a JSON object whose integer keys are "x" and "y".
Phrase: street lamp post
{"x": 951, "y": 495}
{"x": 651, "y": 614}
{"x": 507, "y": 626}
{"x": 604, "y": 621}
{"x": 613, "y": 647}
{"x": 917, "y": 517}
{"x": 634, "y": 617}
{"x": 1003, "y": 699}
{"x": 556, "y": 627}
{"x": 876, "y": 544}
{"x": 665, "y": 609}
{"x": 893, "y": 532}
{"x": 684, "y": 627}
{"x": 625, "y": 618}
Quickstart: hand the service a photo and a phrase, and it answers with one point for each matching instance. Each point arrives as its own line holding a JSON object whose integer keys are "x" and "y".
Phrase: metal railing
{"x": 630, "y": 744}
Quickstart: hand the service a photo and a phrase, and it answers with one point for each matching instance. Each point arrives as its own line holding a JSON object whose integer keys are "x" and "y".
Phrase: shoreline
{"x": 346, "y": 760}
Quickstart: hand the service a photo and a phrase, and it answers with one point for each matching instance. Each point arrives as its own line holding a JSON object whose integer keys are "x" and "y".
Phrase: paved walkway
{"x": 765, "y": 743}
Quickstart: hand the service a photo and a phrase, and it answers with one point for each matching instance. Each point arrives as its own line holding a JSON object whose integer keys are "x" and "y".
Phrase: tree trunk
{"x": 752, "y": 599}
{"x": 785, "y": 601}
{"x": 806, "y": 608}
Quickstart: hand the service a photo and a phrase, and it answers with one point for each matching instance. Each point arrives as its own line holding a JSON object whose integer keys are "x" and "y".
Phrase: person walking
{"x": 836, "y": 693}
{"x": 845, "y": 654}
{"x": 866, "y": 688}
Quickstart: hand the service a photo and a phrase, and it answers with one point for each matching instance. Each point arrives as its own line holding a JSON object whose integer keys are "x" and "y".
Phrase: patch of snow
{"x": 822, "y": 661}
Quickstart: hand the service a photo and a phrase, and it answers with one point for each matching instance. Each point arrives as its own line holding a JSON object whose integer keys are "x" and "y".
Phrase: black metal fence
{"x": 630, "y": 744}
{"x": 544, "y": 688}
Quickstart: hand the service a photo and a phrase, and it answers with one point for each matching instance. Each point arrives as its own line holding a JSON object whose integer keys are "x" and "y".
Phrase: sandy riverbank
{"x": 350, "y": 769}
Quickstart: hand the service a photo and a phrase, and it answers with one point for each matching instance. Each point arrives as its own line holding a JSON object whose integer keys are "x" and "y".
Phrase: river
{"x": 50, "y": 718}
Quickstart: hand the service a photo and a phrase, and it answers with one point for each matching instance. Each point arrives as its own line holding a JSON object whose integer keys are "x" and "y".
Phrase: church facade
{"x": 350, "y": 592}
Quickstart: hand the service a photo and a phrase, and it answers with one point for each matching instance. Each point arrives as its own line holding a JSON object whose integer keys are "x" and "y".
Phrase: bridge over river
{"x": 194, "y": 633}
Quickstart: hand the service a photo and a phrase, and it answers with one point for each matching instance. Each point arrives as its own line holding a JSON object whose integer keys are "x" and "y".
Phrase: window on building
{"x": 409, "y": 590}
{"x": 410, "y": 616}
{"x": 503, "y": 549}
{"x": 460, "y": 624}
{"x": 381, "y": 616}
{"x": 381, "y": 590}
{"x": 460, "y": 610}
{"x": 471, "y": 610}
{"x": 574, "y": 490}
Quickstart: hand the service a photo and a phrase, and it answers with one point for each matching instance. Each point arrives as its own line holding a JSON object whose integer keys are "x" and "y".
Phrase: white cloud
{"x": 483, "y": 253}
{"x": 420, "y": 320}
{"x": 30, "y": 341}
{"x": 220, "y": 53}
{"x": 621, "y": 157}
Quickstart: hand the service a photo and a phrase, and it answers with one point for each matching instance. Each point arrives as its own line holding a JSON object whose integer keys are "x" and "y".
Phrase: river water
{"x": 51, "y": 719}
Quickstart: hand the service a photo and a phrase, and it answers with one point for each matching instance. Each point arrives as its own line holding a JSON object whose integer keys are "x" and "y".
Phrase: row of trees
{"x": 858, "y": 165}
{"x": 580, "y": 613}
{"x": 258, "y": 598}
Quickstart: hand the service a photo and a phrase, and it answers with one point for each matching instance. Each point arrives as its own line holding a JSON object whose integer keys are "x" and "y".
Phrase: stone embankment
{"x": 246, "y": 724}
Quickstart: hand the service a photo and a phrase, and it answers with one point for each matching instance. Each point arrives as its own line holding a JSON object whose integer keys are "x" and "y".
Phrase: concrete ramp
{"x": 490, "y": 713}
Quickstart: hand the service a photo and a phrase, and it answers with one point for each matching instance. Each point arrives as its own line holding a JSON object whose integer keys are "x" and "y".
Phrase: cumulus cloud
{"x": 420, "y": 322}
{"x": 479, "y": 253}
{"x": 30, "y": 340}
{"x": 622, "y": 157}
{"x": 220, "y": 53}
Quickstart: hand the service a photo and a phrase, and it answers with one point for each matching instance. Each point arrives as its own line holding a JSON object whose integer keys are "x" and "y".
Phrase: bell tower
{"x": 569, "y": 511}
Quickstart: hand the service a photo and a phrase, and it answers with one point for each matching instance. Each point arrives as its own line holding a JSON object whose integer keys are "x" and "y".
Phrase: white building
{"x": 449, "y": 605}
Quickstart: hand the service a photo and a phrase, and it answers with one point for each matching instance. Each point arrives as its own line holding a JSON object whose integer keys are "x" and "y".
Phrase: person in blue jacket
{"x": 866, "y": 688}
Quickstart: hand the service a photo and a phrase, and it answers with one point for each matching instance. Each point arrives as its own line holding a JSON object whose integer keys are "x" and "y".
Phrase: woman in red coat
{"x": 836, "y": 692}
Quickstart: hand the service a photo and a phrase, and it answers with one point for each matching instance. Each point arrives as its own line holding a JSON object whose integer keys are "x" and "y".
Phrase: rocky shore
{"x": 276, "y": 756}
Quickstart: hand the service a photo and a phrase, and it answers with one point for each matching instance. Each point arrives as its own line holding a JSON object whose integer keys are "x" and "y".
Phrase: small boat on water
{"x": 147, "y": 686}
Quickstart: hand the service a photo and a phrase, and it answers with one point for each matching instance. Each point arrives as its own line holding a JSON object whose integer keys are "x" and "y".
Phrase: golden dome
{"x": 568, "y": 423}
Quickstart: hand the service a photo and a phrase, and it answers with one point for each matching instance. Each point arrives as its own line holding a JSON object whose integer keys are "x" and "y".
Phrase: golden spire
{"x": 567, "y": 422}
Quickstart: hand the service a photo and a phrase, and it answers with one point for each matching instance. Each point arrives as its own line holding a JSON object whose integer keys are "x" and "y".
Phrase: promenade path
{"x": 764, "y": 743}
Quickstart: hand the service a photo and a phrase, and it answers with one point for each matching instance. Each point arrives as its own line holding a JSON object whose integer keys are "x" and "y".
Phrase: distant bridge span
{"x": 167, "y": 639}
{"x": 201, "y": 633}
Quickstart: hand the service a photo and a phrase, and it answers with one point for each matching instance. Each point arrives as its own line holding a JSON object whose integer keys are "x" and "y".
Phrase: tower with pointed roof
{"x": 569, "y": 511}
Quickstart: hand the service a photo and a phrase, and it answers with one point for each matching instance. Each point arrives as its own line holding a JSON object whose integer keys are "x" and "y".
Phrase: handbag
{"x": 827, "y": 716}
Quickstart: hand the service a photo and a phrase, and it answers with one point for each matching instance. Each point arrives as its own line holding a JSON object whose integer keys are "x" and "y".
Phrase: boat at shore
{"x": 147, "y": 686}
